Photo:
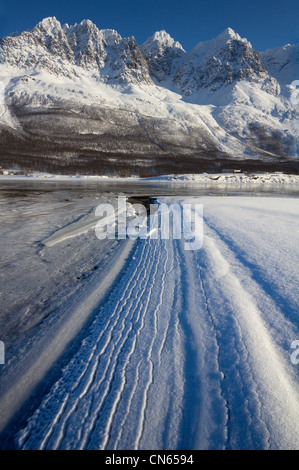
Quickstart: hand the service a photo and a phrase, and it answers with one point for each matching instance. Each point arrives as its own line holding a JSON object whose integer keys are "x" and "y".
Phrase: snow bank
{"x": 232, "y": 178}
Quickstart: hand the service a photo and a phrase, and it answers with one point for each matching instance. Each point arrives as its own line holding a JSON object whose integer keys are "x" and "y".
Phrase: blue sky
{"x": 264, "y": 23}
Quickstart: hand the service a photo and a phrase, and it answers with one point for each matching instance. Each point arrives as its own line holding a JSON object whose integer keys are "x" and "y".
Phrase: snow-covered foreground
{"x": 190, "y": 349}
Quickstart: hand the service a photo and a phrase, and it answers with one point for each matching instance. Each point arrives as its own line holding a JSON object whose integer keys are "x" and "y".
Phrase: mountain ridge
{"x": 155, "y": 104}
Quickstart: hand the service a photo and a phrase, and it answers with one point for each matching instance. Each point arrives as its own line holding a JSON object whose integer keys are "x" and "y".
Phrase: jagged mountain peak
{"x": 224, "y": 40}
{"x": 86, "y": 32}
{"x": 219, "y": 62}
{"x": 163, "y": 55}
{"x": 229, "y": 34}
{"x": 86, "y": 26}
{"x": 162, "y": 38}
{"x": 71, "y": 51}
{"x": 282, "y": 62}
{"x": 48, "y": 25}
{"x": 111, "y": 35}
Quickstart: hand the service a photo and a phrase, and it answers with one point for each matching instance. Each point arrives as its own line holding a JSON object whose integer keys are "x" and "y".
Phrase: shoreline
{"x": 200, "y": 179}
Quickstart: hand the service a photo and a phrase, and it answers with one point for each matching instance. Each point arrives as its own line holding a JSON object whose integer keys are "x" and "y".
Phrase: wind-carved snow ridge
{"x": 191, "y": 348}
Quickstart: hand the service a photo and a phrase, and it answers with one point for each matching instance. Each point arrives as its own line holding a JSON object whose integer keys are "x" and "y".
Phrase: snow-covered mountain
{"x": 64, "y": 50}
{"x": 283, "y": 63}
{"x": 163, "y": 55}
{"x": 78, "y": 98}
{"x": 218, "y": 62}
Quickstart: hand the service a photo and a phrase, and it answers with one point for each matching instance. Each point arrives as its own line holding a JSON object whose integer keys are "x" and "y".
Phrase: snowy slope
{"x": 282, "y": 63}
{"x": 77, "y": 96}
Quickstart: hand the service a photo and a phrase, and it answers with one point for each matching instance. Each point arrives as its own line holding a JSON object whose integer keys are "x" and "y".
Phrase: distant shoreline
{"x": 201, "y": 179}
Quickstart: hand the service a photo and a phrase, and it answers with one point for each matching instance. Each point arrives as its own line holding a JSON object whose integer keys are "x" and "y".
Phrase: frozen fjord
{"x": 191, "y": 349}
